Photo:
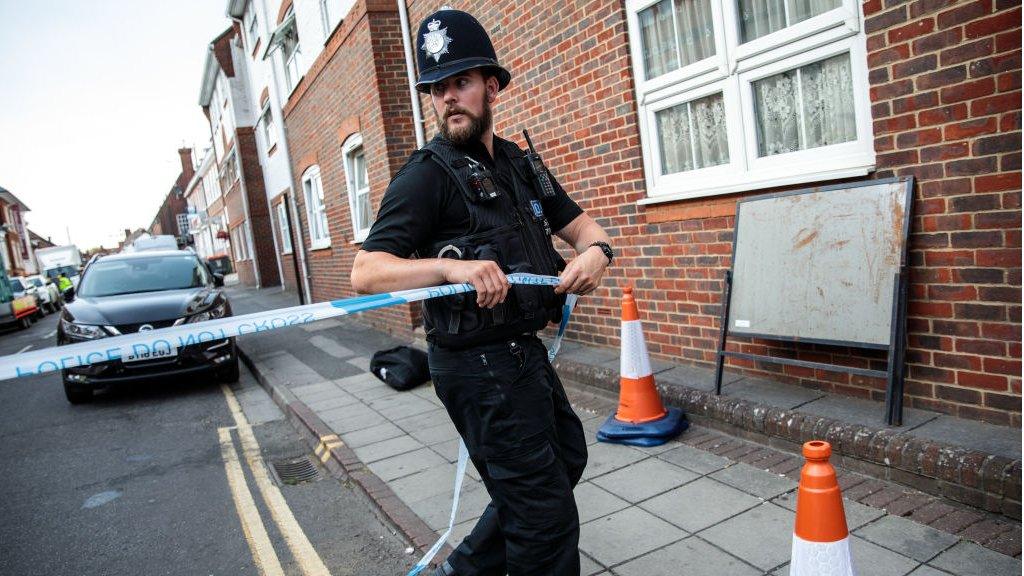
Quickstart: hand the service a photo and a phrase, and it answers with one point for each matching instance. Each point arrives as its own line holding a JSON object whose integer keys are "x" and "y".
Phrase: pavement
{"x": 707, "y": 503}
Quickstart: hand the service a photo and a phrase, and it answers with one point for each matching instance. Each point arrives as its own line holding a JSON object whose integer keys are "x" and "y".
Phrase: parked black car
{"x": 131, "y": 292}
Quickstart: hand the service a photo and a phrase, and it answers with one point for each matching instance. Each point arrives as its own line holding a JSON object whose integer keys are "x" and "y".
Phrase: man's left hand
{"x": 584, "y": 273}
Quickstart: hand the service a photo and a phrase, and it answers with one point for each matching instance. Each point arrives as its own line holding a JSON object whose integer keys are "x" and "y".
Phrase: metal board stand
{"x": 895, "y": 370}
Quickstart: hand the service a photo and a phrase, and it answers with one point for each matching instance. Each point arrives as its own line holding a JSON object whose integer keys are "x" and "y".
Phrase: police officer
{"x": 473, "y": 207}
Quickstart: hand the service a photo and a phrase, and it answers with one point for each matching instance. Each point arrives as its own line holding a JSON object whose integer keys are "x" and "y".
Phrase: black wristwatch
{"x": 608, "y": 253}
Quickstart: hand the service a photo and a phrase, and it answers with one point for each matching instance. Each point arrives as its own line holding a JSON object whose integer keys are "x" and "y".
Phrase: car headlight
{"x": 210, "y": 314}
{"x": 82, "y": 331}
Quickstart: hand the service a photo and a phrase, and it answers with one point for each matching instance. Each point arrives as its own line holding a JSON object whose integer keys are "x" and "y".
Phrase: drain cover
{"x": 296, "y": 471}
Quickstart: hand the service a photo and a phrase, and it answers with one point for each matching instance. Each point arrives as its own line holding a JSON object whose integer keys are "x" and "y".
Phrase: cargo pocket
{"x": 522, "y": 463}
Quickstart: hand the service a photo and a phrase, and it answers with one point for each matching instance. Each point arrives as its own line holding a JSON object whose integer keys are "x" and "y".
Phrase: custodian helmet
{"x": 452, "y": 41}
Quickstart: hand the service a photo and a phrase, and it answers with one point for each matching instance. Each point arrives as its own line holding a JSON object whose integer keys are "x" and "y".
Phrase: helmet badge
{"x": 435, "y": 42}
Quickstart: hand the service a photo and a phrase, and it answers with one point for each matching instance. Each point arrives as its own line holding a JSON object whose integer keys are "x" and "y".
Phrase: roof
{"x": 210, "y": 69}
{"x": 10, "y": 198}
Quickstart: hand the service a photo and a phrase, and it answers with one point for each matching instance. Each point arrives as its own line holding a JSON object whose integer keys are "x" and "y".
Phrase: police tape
{"x": 161, "y": 341}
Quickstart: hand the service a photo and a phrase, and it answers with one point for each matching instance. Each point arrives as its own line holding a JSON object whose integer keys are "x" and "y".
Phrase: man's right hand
{"x": 485, "y": 275}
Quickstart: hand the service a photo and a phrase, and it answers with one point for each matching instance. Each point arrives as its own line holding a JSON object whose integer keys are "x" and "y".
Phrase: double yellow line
{"x": 255, "y": 532}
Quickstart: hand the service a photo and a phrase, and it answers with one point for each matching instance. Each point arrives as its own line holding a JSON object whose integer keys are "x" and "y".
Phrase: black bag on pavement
{"x": 402, "y": 367}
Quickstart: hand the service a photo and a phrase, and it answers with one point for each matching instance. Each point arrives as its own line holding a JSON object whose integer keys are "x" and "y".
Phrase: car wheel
{"x": 231, "y": 374}
{"x": 77, "y": 394}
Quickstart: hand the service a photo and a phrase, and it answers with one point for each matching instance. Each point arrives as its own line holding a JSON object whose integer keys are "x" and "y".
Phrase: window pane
{"x": 696, "y": 30}
{"x": 363, "y": 215}
{"x": 760, "y": 17}
{"x": 693, "y": 135}
{"x": 661, "y": 54}
{"x": 827, "y": 88}
{"x": 805, "y": 108}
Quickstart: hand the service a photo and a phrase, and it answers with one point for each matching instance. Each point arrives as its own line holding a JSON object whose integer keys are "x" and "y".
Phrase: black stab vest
{"x": 509, "y": 229}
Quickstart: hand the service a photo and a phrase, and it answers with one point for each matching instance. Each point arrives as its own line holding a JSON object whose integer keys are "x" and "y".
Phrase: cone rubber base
{"x": 652, "y": 433}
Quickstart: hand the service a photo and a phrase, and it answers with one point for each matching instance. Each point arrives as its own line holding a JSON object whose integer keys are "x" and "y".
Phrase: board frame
{"x": 896, "y": 348}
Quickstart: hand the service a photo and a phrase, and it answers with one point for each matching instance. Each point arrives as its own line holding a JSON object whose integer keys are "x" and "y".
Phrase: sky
{"x": 96, "y": 97}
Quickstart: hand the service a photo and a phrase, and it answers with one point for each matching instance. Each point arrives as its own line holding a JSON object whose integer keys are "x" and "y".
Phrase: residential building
{"x": 170, "y": 219}
{"x": 224, "y": 97}
{"x": 207, "y": 214}
{"x": 18, "y": 255}
{"x": 658, "y": 116}
{"x": 272, "y": 57}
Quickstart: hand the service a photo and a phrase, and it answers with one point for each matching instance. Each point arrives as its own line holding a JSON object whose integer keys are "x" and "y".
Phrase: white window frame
{"x": 353, "y": 144}
{"x": 239, "y": 243}
{"x": 252, "y": 27}
{"x": 731, "y": 72}
{"x": 316, "y": 209}
{"x": 284, "y": 227}
{"x": 325, "y": 18}
{"x": 267, "y": 129}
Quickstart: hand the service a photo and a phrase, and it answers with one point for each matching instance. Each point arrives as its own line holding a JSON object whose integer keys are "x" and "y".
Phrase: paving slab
{"x": 315, "y": 389}
{"x": 645, "y": 479}
{"x": 926, "y": 570}
{"x": 443, "y": 432}
{"x": 428, "y": 483}
{"x": 321, "y": 325}
{"x": 847, "y": 409}
{"x": 449, "y": 450}
{"x": 907, "y": 537}
{"x": 625, "y": 535}
{"x": 331, "y": 346}
{"x": 778, "y": 394}
{"x": 969, "y": 559}
{"x": 693, "y": 377}
{"x": 603, "y": 458}
{"x": 692, "y": 557}
{"x": 361, "y": 421}
{"x": 691, "y": 458}
{"x": 334, "y": 400}
{"x": 371, "y": 453}
{"x": 588, "y": 566}
{"x": 405, "y": 464}
{"x": 364, "y": 436}
{"x": 857, "y": 514}
{"x": 423, "y": 420}
{"x": 593, "y": 502}
{"x": 359, "y": 382}
{"x": 999, "y": 440}
{"x": 762, "y": 536}
{"x": 360, "y": 362}
{"x": 754, "y": 481}
{"x": 437, "y": 510}
{"x": 398, "y": 406}
{"x": 700, "y": 504}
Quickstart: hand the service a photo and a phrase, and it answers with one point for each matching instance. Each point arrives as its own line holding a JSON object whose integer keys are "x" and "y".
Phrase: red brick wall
{"x": 355, "y": 82}
{"x": 945, "y": 78}
{"x": 945, "y": 92}
{"x": 287, "y": 261}
{"x": 264, "y": 254}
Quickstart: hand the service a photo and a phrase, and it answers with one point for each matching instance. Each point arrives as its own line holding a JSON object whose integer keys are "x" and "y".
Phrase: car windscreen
{"x": 143, "y": 274}
{"x": 36, "y": 280}
{"x": 16, "y": 285}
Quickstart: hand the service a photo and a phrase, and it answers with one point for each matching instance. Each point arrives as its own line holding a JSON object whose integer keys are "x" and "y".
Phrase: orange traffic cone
{"x": 641, "y": 418}
{"x": 821, "y": 544}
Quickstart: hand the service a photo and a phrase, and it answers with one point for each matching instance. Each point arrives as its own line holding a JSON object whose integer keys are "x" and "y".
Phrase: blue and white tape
{"x": 117, "y": 347}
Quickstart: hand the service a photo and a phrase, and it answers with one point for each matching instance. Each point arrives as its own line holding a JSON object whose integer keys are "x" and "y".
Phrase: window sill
{"x": 359, "y": 238}
{"x": 318, "y": 247}
{"x": 851, "y": 172}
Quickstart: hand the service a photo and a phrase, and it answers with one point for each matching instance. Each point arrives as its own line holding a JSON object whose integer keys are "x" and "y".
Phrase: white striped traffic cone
{"x": 821, "y": 541}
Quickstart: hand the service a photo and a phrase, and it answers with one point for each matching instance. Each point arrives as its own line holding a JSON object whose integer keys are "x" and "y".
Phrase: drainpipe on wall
{"x": 410, "y": 72}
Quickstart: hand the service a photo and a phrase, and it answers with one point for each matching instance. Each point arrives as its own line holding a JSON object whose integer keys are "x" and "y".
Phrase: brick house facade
{"x": 936, "y": 95}
{"x": 224, "y": 97}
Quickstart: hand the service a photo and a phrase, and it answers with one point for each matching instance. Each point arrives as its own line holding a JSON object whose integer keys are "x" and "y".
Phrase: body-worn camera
{"x": 481, "y": 182}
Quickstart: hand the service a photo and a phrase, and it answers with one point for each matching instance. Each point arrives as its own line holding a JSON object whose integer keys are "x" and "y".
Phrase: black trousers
{"x": 508, "y": 404}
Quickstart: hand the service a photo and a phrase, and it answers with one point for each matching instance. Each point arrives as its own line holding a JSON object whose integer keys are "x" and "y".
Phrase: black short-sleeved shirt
{"x": 423, "y": 206}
